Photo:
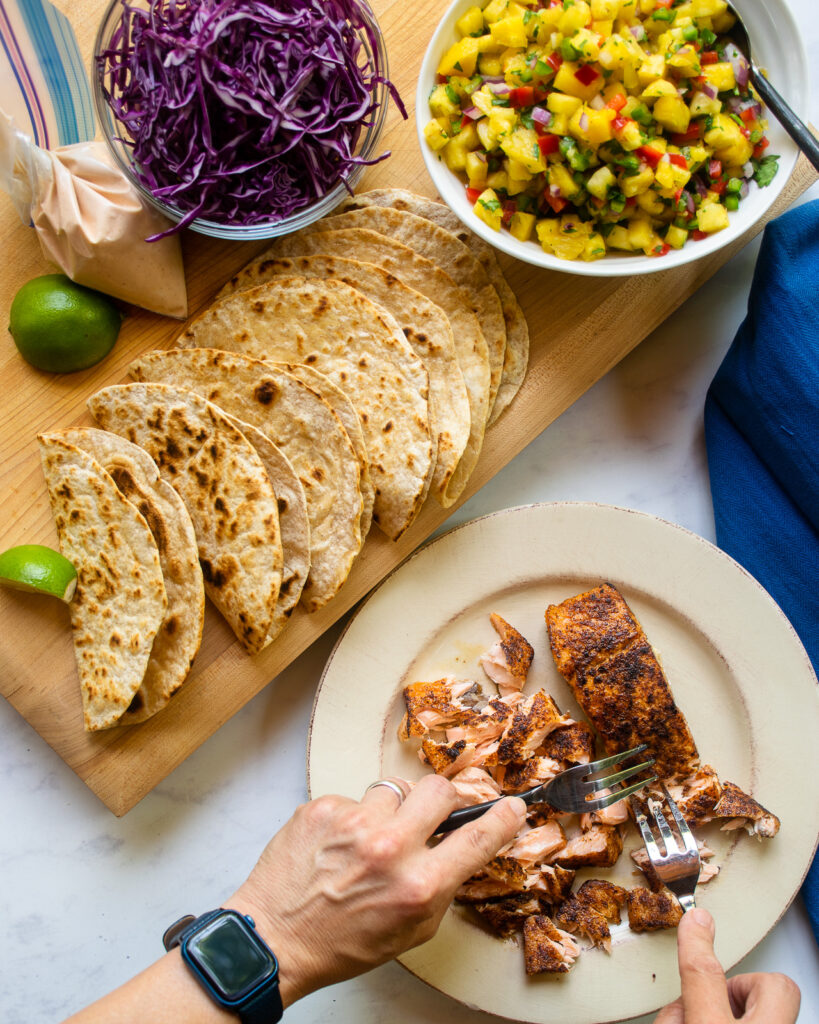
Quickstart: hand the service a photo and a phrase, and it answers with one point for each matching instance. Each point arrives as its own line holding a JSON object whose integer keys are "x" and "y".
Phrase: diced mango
{"x": 567, "y": 81}
{"x": 701, "y": 104}
{"x": 522, "y": 225}
{"x": 595, "y": 247}
{"x": 652, "y": 68}
{"x": 521, "y": 146}
{"x": 488, "y": 209}
{"x": 436, "y": 134}
{"x": 489, "y": 64}
{"x": 636, "y": 184}
{"x": 672, "y": 113}
{"x": 510, "y": 31}
{"x": 487, "y": 134}
{"x": 661, "y": 87}
{"x": 600, "y": 182}
{"x": 726, "y": 138}
{"x": 461, "y": 58}
{"x": 720, "y": 76}
{"x": 441, "y": 103}
{"x": 712, "y": 218}
{"x": 574, "y": 17}
{"x": 618, "y": 238}
{"x": 676, "y": 237}
{"x": 476, "y": 167}
{"x": 686, "y": 60}
{"x": 502, "y": 120}
{"x": 605, "y": 9}
{"x": 560, "y": 176}
{"x": 499, "y": 180}
{"x": 585, "y": 42}
{"x": 650, "y": 203}
{"x": 560, "y": 103}
{"x": 471, "y": 22}
{"x": 640, "y": 233}
{"x": 516, "y": 170}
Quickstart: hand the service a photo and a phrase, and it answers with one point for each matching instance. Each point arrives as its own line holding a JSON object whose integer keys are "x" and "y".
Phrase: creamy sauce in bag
{"x": 92, "y": 223}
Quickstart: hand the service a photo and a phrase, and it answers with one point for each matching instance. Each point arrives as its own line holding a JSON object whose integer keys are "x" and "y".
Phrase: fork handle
{"x": 475, "y": 811}
{"x": 798, "y": 131}
{"x": 687, "y": 902}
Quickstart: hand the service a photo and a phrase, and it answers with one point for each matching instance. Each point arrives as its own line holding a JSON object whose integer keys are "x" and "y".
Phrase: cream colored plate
{"x": 736, "y": 668}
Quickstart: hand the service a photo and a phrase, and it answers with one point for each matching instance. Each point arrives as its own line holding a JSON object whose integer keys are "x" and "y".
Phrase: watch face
{"x": 231, "y": 955}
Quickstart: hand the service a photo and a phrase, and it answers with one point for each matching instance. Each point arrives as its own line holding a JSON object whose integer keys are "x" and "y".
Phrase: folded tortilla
{"x": 306, "y": 430}
{"x": 426, "y": 277}
{"x": 120, "y": 601}
{"x": 424, "y": 325}
{"x": 221, "y": 479}
{"x": 179, "y": 636}
{"x": 516, "y": 357}
{"x": 330, "y": 326}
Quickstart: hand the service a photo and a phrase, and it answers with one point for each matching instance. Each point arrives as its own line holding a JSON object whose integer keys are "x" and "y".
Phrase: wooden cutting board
{"x": 578, "y": 333}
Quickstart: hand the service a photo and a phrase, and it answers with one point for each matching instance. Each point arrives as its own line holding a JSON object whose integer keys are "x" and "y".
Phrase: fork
{"x": 678, "y": 869}
{"x": 571, "y": 791}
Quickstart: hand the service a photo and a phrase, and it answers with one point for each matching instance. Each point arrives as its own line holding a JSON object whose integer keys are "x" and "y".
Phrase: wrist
{"x": 294, "y": 963}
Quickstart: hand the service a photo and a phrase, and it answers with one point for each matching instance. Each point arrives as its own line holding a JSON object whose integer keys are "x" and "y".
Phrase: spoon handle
{"x": 798, "y": 131}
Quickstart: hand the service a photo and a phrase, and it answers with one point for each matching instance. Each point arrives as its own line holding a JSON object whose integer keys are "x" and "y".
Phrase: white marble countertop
{"x": 85, "y": 896}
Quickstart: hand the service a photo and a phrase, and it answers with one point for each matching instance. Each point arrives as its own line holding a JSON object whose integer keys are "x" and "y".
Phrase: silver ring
{"x": 390, "y": 785}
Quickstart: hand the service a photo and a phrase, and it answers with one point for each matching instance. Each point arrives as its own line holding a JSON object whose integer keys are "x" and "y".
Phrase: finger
{"x": 471, "y": 846}
{"x": 671, "y": 1014}
{"x": 384, "y": 797}
{"x": 431, "y": 800}
{"x": 704, "y": 989}
{"x": 765, "y": 998}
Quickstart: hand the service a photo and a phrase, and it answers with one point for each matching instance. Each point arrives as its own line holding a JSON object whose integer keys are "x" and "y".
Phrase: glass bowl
{"x": 116, "y": 138}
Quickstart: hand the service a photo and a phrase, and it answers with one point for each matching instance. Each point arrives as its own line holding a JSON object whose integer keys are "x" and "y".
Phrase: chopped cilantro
{"x": 542, "y": 68}
{"x": 765, "y": 169}
{"x": 527, "y": 16}
{"x": 457, "y": 66}
{"x": 490, "y": 204}
{"x": 452, "y": 96}
{"x": 567, "y": 51}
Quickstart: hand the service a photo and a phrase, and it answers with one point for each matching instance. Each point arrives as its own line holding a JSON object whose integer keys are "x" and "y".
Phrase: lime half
{"x": 39, "y": 569}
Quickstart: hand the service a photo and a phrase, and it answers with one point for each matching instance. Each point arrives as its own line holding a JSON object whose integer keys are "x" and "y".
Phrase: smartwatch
{"x": 231, "y": 962}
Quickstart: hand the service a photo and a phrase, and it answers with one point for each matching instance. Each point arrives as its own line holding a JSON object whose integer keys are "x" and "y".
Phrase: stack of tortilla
{"x": 337, "y": 380}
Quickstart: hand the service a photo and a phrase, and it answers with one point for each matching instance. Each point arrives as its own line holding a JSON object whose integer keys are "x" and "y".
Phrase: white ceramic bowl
{"x": 777, "y": 47}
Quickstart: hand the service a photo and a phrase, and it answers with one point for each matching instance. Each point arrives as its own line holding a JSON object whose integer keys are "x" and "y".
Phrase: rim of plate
{"x": 594, "y": 507}
{"x": 778, "y": 16}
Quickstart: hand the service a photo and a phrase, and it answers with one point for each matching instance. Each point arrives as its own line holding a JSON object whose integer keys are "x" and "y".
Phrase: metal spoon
{"x": 798, "y": 131}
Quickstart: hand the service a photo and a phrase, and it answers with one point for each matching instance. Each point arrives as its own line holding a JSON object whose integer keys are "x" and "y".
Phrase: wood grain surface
{"x": 578, "y": 330}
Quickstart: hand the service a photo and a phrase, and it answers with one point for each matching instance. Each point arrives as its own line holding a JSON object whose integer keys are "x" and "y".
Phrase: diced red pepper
{"x": 541, "y": 93}
{"x": 709, "y": 57}
{"x": 665, "y": 3}
{"x": 523, "y": 96}
{"x": 510, "y": 207}
{"x": 698, "y": 235}
{"x": 472, "y": 194}
{"x": 678, "y": 159}
{"x": 677, "y": 196}
{"x": 631, "y": 201}
{"x": 548, "y": 143}
{"x": 718, "y": 186}
{"x": 598, "y": 203}
{"x": 557, "y": 203}
{"x": 617, "y": 102}
{"x": 650, "y": 155}
{"x": 465, "y": 121}
{"x": 692, "y": 133}
{"x": 760, "y": 147}
{"x": 586, "y": 74}
{"x": 619, "y": 123}
{"x": 661, "y": 250}
{"x": 714, "y": 168}
{"x": 747, "y": 114}
{"x": 441, "y": 79}
{"x": 554, "y": 60}
{"x": 746, "y": 132}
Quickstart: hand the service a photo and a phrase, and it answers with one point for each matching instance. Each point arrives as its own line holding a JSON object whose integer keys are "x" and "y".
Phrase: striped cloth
{"x": 43, "y": 86}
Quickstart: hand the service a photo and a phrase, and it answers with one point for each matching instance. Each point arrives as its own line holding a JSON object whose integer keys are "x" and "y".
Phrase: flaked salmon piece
{"x": 535, "y": 844}
{"x": 482, "y": 726}
{"x": 602, "y": 652}
{"x": 508, "y": 870}
{"x": 508, "y": 660}
{"x": 650, "y": 911}
{"x": 514, "y": 778}
{"x": 532, "y": 721}
{"x": 572, "y": 743}
{"x": 436, "y": 705}
{"x": 482, "y": 887}
{"x": 594, "y": 906}
{"x": 707, "y": 871}
{"x": 474, "y": 786}
{"x": 600, "y": 846}
{"x": 742, "y": 811}
{"x": 614, "y": 814}
{"x": 508, "y": 916}
{"x": 446, "y": 759}
{"x": 551, "y": 882}
{"x": 697, "y": 795}
{"x": 546, "y": 948}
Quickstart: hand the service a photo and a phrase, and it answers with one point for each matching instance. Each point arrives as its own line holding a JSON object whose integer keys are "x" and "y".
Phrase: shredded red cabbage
{"x": 242, "y": 111}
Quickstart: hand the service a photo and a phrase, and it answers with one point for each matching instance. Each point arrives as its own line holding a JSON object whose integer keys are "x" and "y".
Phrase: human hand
{"x": 345, "y": 886}
{"x": 707, "y": 996}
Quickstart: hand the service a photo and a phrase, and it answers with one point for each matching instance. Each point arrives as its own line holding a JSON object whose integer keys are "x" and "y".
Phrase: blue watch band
{"x": 254, "y": 1003}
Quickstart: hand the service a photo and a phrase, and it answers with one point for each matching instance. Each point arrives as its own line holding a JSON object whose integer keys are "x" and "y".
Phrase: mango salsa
{"x": 594, "y": 125}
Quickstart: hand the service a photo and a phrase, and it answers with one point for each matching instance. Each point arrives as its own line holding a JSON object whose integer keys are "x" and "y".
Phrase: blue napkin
{"x": 762, "y": 435}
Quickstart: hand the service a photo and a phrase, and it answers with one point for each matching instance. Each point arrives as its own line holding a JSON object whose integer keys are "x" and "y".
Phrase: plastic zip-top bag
{"x": 88, "y": 217}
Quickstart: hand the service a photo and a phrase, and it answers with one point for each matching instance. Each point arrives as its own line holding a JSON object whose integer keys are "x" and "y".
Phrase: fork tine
{"x": 626, "y": 773}
{"x": 619, "y": 794}
{"x": 671, "y": 844}
{"x": 609, "y": 762}
{"x": 652, "y": 849}
{"x": 684, "y": 829}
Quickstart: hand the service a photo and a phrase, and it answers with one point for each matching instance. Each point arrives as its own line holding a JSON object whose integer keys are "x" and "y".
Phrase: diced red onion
{"x": 700, "y": 186}
{"x": 738, "y": 63}
{"x": 743, "y": 192}
{"x": 473, "y": 113}
{"x": 748, "y": 170}
{"x": 689, "y": 202}
{"x": 597, "y": 102}
{"x": 500, "y": 88}
{"x": 542, "y": 116}
{"x": 709, "y": 90}
{"x": 637, "y": 31}
{"x": 554, "y": 190}
{"x": 584, "y": 122}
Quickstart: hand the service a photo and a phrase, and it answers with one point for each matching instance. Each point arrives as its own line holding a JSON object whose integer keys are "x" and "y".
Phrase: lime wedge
{"x": 39, "y": 569}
